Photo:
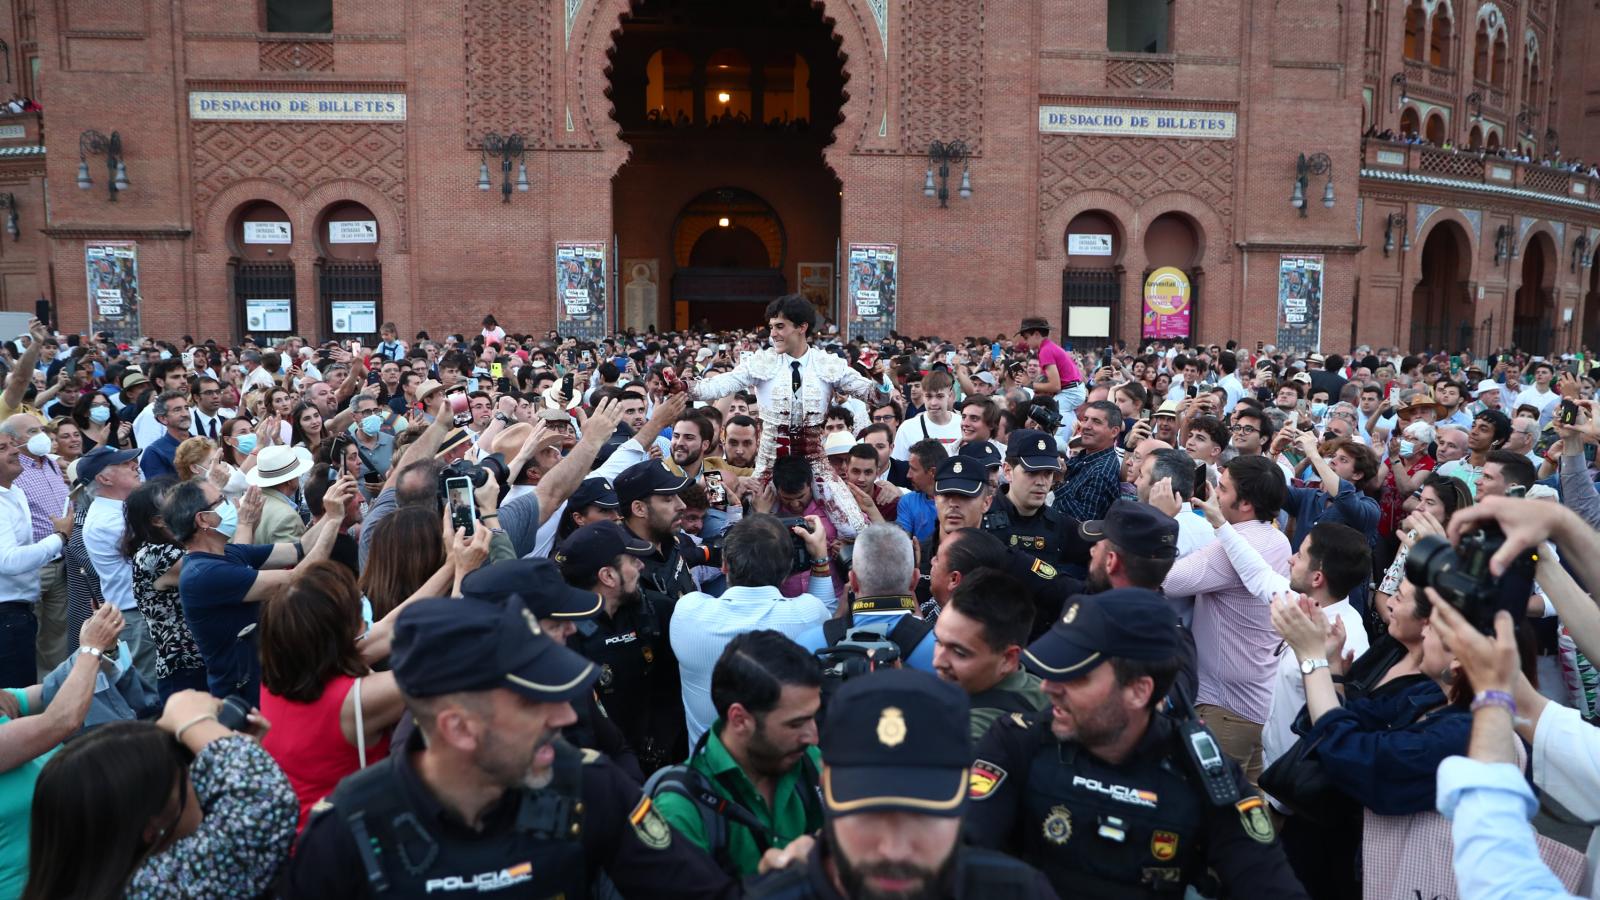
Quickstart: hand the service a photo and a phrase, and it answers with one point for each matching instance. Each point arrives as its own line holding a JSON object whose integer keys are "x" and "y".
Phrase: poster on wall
{"x": 268, "y": 233}
{"x": 113, "y": 281}
{"x": 814, "y": 281}
{"x": 581, "y": 289}
{"x": 1167, "y": 305}
{"x": 1299, "y": 303}
{"x": 1088, "y": 245}
{"x": 364, "y": 231}
{"x": 355, "y": 316}
{"x": 873, "y": 282}
{"x": 268, "y": 316}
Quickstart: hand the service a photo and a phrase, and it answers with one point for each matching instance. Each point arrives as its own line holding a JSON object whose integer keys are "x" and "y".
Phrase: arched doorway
{"x": 726, "y": 106}
{"x": 1441, "y": 309}
{"x": 261, "y": 236}
{"x": 1091, "y": 282}
{"x": 1435, "y": 135}
{"x": 1534, "y": 319}
{"x": 1410, "y": 124}
{"x": 1591, "y": 310}
{"x": 1171, "y": 242}
{"x": 349, "y": 275}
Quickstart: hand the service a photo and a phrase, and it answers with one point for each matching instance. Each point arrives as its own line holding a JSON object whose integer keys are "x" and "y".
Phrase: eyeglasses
{"x": 1244, "y": 429}
{"x": 888, "y": 418}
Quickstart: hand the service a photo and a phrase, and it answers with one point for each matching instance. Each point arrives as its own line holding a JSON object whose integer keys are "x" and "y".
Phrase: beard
{"x": 1094, "y": 727}
{"x": 1097, "y": 581}
{"x": 766, "y": 757}
{"x": 930, "y": 882}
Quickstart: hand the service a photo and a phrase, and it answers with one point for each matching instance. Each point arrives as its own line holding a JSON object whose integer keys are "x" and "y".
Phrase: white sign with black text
{"x": 363, "y": 231}
{"x": 267, "y": 233}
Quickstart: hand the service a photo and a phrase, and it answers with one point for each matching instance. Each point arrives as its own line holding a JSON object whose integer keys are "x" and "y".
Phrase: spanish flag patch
{"x": 985, "y": 777}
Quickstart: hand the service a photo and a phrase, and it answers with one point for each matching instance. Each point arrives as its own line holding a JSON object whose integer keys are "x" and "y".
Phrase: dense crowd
{"x": 781, "y": 613}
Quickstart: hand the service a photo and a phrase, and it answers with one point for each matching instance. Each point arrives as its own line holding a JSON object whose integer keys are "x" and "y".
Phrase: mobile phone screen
{"x": 463, "y": 513}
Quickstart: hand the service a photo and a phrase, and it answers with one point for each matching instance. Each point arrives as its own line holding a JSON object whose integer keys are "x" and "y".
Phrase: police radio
{"x": 1209, "y": 763}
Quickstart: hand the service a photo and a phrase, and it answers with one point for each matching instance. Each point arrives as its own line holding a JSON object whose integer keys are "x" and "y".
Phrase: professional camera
{"x": 1461, "y": 576}
{"x": 1047, "y": 417}
{"x": 860, "y": 651}
{"x": 801, "y": 559}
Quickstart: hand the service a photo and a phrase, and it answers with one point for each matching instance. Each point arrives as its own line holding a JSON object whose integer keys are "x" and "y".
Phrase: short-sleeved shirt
{"x": 16, "y": 811}
{"x": 1051, "y": 354}
{"x": 175, "y": 647}
{"x": 212, "y": 589}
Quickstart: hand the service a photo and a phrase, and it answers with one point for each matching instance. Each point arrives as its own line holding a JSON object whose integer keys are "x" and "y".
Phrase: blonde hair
{"x": 190, "y": 454}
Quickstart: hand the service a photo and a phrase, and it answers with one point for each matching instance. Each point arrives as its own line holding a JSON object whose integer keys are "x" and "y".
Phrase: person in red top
{"x": 1062, "y": 380}
{"x": 310, "y": 668}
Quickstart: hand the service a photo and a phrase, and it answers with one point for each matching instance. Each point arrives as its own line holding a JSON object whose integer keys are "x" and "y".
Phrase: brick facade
{"x": 1299, "y": 76}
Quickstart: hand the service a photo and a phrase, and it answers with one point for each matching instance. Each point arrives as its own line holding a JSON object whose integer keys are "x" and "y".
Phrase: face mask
{"x": 247, "y": 443}
{"x": 1407, "y": 447}
{"x": 400, "y": 425}
{"x": 99, "y": 371}
{"x": 230, "y": 519}
{"x": 100, "y": 414}
{"x": 39, "y": 444}
{"x": 1319, "y": 409}
{"x": 372, "y": 424}
{"x": 166, "y": 354}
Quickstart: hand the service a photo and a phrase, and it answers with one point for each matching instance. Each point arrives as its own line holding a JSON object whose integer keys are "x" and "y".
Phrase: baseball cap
{"x": 988, "y": 378}
{"x": 981, "y": 451}
{"x": 1139, "y": 527}
{"x": 597, "y": 544}
{"x": 960, "y": 475}
{"x": 445, "y": 645}
{"x": 896, "y": 740}
{"x": 1033, "y": 448}
{"x": 99, "y": 459}
{"x": 1301, "y": 378}
{"x": 537, "y": 582}
{"x": 645, "y": 478}
{"x": 594, "y": 491}
{"x": 1122, "y": 623}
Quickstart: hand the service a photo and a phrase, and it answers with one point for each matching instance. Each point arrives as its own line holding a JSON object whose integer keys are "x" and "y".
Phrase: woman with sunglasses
{"x": 184, "y": 804}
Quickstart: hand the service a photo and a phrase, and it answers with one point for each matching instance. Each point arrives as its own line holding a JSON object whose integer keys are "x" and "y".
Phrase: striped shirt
{"x": 1233, "y": 634}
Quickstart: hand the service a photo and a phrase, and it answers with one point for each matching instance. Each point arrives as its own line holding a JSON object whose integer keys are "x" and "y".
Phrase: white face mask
{"x": 39, "y": 445}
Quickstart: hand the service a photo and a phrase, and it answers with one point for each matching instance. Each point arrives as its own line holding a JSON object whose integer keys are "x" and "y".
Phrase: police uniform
{"x": 896, "y": 741}
{"x": 638, "y": 682}
{"x": 538, "y": 584}
{"x": 1148, "y": 826}
{"x": 384, "y": 832}
{"x": 1049, "y": 534}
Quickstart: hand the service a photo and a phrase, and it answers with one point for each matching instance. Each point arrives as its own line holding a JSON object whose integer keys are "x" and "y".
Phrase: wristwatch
{"x": 500, "y": 416}
{"x": 1307, "y": 666}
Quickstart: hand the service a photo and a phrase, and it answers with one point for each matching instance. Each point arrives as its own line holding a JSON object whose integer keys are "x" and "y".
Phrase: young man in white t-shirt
{"x": 937, "y": 420}
{"x": 1539, "y": 394}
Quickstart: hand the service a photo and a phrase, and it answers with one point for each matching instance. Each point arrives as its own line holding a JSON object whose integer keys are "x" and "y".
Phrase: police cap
{"x": 537, "y": 582}
{"x": 595, "y": 545}
{"x": 596, "y": 491}
{"x": 981, "y": 451}
{"x": 446, "y": 645}
{"x": 643, "y": 479}
{"x": 1138, "y": 528}
{"x": 1122, "y": 623}
{"x": 960, "y": 475}
{"x": 1034, "y": 449}
{"x": 896, "y": 740}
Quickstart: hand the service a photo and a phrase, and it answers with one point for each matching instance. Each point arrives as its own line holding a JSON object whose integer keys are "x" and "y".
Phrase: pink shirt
{"x": 1051, "y": 354}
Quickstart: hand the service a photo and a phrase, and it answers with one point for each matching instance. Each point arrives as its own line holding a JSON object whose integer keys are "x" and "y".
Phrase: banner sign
{"x": 296, "y": 106}
{"x": 267, "y": 233}
{"x": 873, "y": 282}
{"x": 268, "y": 316}
{"x": 1138, "y": 122}
{"x": 581, "y": 289}
{"x": 353, "y": 232}
{"x": 113, "y": 281}
{"x": 355, "y": 316}
{"x": 1300, "y": 303}
{"x": 1167, "y": 305}
{"x": 1088, "y": 245}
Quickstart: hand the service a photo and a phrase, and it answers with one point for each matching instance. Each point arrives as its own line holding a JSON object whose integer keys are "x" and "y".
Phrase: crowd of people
{"x": 1550, "y": 160}
{"x": 779, "y": 613}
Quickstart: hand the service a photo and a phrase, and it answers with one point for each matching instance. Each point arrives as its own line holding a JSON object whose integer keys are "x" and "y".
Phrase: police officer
{"x": 488, "y": 797}
{"x": 1111, "y": 798}
{"x": 984, "y": 451}
{"x": 628, "y": 640}
{"x": 648, "y": 502}
{"x": 896, "y": 757}
{"x": 559, "y": 608}
{"x": 1023, "y": 515}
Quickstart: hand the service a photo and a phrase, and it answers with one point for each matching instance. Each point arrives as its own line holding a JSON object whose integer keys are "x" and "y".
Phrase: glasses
{"x": 214, "y": 392}
{"x": 1245, "y": 429}
{"x": 888, "y": 418}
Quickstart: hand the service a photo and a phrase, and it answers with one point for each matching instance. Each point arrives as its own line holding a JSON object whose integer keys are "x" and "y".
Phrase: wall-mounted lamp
{"x": 1504, "y": 247}
{"x": 1552, "y": 142}
{"x": 1525, "y": 123}
{"x": 1304, "y": 167}
{"x": 1475, "y": 106}
{"x": 1399, "y": 82}
{"x": 1580, "y": 253}
{"x": 942, "y": 155}
{"x": 93, "y": 143}
{"x": 1396, "y": 220}
{"x": 507, "y": 148}
{"x": 8, "y": 202}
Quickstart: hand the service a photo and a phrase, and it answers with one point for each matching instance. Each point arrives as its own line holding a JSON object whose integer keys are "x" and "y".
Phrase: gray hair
{"x": 1443, "y": 428}
{"x": 1176, "y": 465}
{"x": 187, "y": 500}
{"x": 1421, "y": 432}
{"x": 882, "y": 562}
{"x": 250, "y": 356}
{"x": 159, "y": 407}
{"x": 758, "y": 551}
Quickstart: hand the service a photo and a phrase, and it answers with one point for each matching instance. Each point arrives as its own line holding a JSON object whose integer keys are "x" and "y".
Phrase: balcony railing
{"x": 1469, "y": 166}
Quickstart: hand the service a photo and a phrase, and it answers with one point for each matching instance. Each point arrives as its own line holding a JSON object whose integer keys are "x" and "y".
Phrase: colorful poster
{"x": 873, "y": 283}
{"x": 113, "y": 282}
{"x": 581, "y": 289}
{"x": 1300, "y": 303}
{"x": 814, "y": 281}
{"x": 1167, "y": 305}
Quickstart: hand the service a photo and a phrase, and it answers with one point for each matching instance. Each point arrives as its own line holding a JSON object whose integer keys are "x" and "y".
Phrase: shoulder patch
{"x": 985, "y": 778}
{"x": 649, "y": 826}
{"x": 1253, "y": 818}
{"x": 590, "y": 756}
{"x": 321, "y": 806}
{"x": 1019, "y": 720}
{"x": 1043, "y": 569}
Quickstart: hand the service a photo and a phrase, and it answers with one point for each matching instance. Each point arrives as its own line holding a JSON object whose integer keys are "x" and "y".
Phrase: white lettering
{"x": 1118, "y": 792}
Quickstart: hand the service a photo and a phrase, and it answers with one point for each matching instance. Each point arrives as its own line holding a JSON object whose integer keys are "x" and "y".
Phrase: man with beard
{"x": 1099, "y": 791}
{"x": 896, "y": 761}
{"x": 629, "y": 640}
{"x": 485, "y": 796}
{"x": 759, "y": 759}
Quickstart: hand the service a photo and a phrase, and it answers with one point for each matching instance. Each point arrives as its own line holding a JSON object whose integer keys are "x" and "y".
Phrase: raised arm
{"x": 24, "y": 739}
{"x": 559, "y": 483}
{"x": 22, "y": 374}
{"x": 740, "y": 379}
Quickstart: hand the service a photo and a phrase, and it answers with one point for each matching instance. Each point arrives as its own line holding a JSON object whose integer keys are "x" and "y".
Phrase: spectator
{"x": 66, "y": 440}
{"x": 981, "y": 633}
{"x": 796, "y": 497}
{"x": 374, "y": 430}
{"x": 95, "y": 418}
{"x": 330, "y": 714}
{"x": 171, "y": 412}
{"x": 219, "y": 826}
{"x": 759, "y": 755}
{"x": 207, "y": 414}
{"x": 883, "y": 580}
{"x": 1177, "y": 469}
{"x": 1093, "y": 476}
{"x": 307, "y": 428}
{"x": 42, "y": 485}
{"x": 1342, "y": 466}
{"x": 937, "y": 422}
{"x": 157, "y": 564}
{"x": 409, "y": 549}
{"x": 757, "y": 555}
{"x": 151, "y": 423}
{"x": 1506, "y": 473}
{"x": 916, "y": 513}
{"x": 1490, "y": 429}
{"x": 108, "y": 477}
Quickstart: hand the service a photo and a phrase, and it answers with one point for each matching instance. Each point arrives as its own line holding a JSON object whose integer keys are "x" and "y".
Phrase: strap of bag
{"x": 361, "y": 727}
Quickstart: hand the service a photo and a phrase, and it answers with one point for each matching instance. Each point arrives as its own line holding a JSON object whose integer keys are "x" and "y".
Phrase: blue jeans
{"x": 182, "y": 680}
{"x": 19, "y": 629}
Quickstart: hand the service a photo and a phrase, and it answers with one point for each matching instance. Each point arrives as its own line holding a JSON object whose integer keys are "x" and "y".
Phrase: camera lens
{"x": 1429, "y": 556}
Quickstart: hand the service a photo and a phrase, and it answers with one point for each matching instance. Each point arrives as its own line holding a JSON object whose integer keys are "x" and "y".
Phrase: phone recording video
{"x": 463, "y": 508}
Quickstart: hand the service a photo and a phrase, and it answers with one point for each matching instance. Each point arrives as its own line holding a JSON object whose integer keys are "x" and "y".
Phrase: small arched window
{"x": 1442, "y": 30}
{"x": 1416, "y": 30}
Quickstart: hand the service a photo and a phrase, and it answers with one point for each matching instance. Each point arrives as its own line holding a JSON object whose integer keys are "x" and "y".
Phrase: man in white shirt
{"x": 109, "y": 476}
{"x": 757, "y": 556}
{"x": 257, "y": 375}
{"x": 21, "y": 558}
{"x": 1539, "y": 394}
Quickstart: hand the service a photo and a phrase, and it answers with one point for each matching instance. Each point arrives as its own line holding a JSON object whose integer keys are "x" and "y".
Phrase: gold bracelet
{"x": 178, "y": 735}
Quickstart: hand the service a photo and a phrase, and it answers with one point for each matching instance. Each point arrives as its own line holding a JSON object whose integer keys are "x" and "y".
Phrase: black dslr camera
{"x": 1461, "y": 576}
{"x": 801, "y": 558}
{"x": 860, "y": 651}
{"x": 1047, "y": 417}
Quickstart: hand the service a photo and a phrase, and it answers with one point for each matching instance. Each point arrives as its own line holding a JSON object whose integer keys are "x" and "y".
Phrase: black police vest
{"x": 1115, "y": 832}
{"x": 983, "y": 874}
{"x": 1038, "y": 535}
{"x": 403, "y": 856}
